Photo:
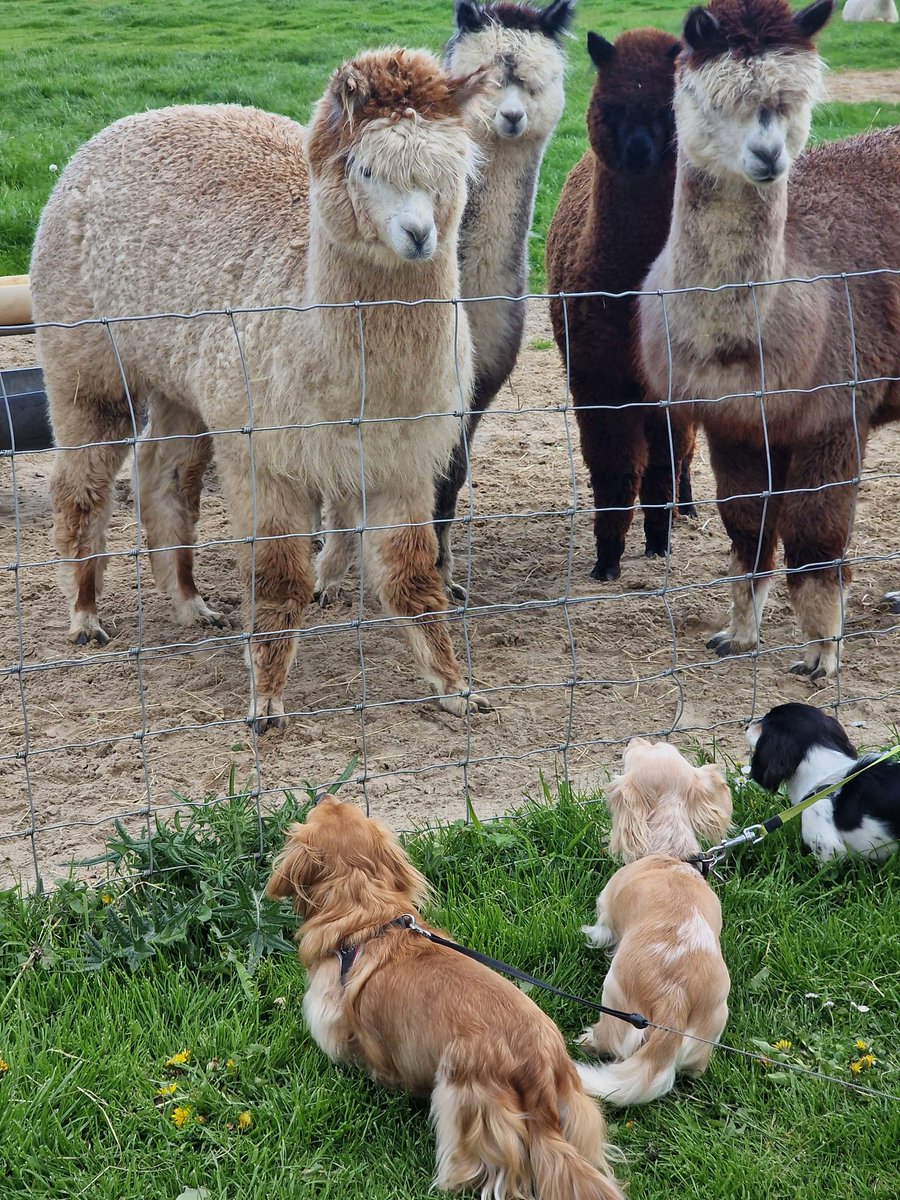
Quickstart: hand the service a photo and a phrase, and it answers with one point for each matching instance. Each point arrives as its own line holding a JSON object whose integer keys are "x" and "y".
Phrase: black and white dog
{"x": 806, "y": 748}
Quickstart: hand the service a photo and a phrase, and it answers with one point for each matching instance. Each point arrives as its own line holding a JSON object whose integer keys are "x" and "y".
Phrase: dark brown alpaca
{"x": 611, "y": 222}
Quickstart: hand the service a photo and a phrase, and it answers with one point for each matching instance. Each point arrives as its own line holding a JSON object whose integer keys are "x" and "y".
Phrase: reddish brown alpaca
{"x": 743, "y": 211}
{"x": 611, "y": 222}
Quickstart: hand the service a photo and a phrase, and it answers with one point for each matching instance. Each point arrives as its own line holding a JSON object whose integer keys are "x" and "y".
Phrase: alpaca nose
{"x": 419, "y": 236}
{"x": 638, "y": 154}
{"x": 515, "y": 121}
{"x": 767, "y": 163}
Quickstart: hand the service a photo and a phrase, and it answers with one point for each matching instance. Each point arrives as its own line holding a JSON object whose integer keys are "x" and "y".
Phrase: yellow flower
{"x": 861, "y": 1045}
{"x": 865, "y": 1062}
{"x": 179, "y": 1059}
{"x": 245, "y": 1120}
{"x": 230, "y": 1064}
{"x": 106, "y": 898}
{"x": 180, "y": 1115}
{"x": 782, "y": 1044}
{"x": 167, "y": 1090}
{"x": 4, "y": 1065}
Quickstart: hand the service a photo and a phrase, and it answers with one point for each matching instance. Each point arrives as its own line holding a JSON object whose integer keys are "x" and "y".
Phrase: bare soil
{"x": 857, "y": 87}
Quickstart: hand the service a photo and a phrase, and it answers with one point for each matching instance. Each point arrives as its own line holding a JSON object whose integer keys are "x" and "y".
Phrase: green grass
{"x": 86, "y": 1035}
{"x": 69, "y": 68}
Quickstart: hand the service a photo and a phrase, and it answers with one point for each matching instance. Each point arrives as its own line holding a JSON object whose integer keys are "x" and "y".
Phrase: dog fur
{"x": 662, "y": 921}
{"x": 510, "y": 1116}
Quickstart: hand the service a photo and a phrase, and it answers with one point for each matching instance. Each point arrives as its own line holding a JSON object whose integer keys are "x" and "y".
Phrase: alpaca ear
{"x": 710, "y": 803}
{"x": 630, "y": 806}
{"x": 776, "y": 757}
{"x": 556, "y": 17}
{"x": 675, "y": 50}
{"x": 350, "y": 89}
{"x": 466, "y": 88}
{"x": 700, "y": 26}
{"x": 810, "y": 20}
{"x": 293, "y": 869}
{"x": 601, "y": 51}
{"x": 469, "y": 16}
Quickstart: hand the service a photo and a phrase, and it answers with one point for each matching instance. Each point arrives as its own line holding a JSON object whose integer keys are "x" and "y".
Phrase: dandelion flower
{"x": 180, "y": 1115}
{"x": 782, "y": 1044}
{"x": 861, "y": 1045}
{"x": 865, "y": 1062}
{"x": 230, "y": 1064}
{"x": 167, "y": 1090}
{"x": 179, "y": 1059}
{"x": 245, "y": 1120}
{"x": 4, "y": 1066}
{"x": 106, "y": 898}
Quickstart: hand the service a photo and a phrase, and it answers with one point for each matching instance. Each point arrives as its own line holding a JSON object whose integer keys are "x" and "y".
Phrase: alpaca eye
{"x": 366, "y": 172}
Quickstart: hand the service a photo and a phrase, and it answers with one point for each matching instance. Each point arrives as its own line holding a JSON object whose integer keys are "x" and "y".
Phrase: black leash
{"x": 408, "y": 921}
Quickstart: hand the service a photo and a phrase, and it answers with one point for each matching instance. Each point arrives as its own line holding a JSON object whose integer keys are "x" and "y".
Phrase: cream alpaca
{"x": 663, "y": 921}
{"x": 749, "y": 206}
{"x": 196, "y": 208}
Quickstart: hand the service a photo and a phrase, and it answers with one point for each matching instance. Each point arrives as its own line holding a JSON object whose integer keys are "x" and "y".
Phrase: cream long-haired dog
{"x": 663, "y": 921}
{"x": 509, "y": 1113}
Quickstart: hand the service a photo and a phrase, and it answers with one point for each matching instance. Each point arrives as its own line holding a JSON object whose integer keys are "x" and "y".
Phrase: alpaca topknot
{"x": 380, "y": 83}
{"x": 744, "y": 29}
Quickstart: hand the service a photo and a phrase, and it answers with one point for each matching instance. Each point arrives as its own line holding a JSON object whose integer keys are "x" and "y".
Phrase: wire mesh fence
{"x": 570, "y": 667}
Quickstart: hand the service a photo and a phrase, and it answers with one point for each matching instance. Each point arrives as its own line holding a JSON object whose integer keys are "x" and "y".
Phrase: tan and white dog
{"x": 510, "y": 1116}
{"x": 662, "y": 921}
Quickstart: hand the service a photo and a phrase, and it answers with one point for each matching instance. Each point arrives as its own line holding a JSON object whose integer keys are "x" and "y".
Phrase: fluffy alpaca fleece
{"x": 746, "y": 210}
{"x": 611, "y": 222}
{"x": 662, "y": 921}
{"x": 196, "y": 208}
{"x": 870, "y": 10}
{"x": 808, "y": 749}
{"x": 510, "y": 1117}
{"x": 522, "y": 45}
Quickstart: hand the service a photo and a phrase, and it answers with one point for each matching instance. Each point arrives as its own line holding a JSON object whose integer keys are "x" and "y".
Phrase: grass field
{"x": 69, "y": 67}
{"x": 100, "y": 986}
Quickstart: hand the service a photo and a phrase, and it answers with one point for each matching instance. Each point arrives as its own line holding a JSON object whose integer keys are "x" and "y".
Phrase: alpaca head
{"x": 521, "y": 46}
{"x": 747, "y": 82}
{"x": 390, "y": 155}
{"x": 630, "y": 120}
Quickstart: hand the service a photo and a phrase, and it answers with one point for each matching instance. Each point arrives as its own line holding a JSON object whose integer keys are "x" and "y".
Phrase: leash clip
{"x": 408, "y": 921}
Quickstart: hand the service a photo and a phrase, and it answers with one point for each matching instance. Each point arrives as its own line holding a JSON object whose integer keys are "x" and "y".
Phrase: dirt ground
{"x": 114, "y": 732}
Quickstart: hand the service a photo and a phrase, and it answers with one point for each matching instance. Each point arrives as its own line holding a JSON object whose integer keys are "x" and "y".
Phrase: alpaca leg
{"x": 816, "y": 526}
{"x": 670, "y": 444}
{"x": 686, "y": 506}
{"x": 614, "y": 450}
{"x": 277, "y": 572}
{"x": 400, "y": 561}
{"x": 750, "y": 515}
{"x": 446, "y": 498}
{"x": 341, "y": 549}
{"x": 170, "y": 479}
{"x": 81, "y": 490}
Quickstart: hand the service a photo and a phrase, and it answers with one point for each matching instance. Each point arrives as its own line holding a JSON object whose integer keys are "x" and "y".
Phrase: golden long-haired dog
{"x": 509, "y": 1113}
{"x": 663, "y": 921}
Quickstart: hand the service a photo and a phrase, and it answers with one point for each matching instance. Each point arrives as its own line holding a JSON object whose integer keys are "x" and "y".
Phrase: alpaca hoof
{"x": 687, "y": 510}
{"x": 800, "y": 668}
{"x": 722, "y": 643}
{"x": 606, "y": 573}
{"x": 194, "y": 611}
{"x": 459, "y": 706}
{"x": 327, "y": 595}
{"x": 268, "y": 715}
{"x": 86, "y": 630}
{"x": 893, "y": 601}
{"x": 654, "y": 551}
{"x": 456, "y": 592}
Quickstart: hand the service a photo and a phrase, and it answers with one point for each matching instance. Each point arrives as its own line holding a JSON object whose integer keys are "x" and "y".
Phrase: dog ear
{"x": 630, "y": 805}
{"x": 396, "y": 863}
{"x": 294, "y": 869}
{"x": 776, "y": 757}
{"x": 709, "y": 802}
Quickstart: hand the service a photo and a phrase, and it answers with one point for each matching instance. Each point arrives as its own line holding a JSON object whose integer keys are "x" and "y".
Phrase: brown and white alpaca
{"x": 196, "y": 208}
{"x": 786, "y": 431}
{"x": 611, "y": 222}
{"x": 522, "y": 45}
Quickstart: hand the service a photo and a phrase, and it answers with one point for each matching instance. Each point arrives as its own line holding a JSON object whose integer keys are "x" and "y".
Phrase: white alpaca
{"x": 871, "y": 10}
{"x": 520, "y": 45}
{"x": 747, "y": 208}
{"x": 197, "y": 208}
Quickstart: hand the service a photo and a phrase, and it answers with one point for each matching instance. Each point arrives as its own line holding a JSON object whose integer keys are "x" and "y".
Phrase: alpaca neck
{"x": 631, "y": 212}
{"x": 726, "y": 230}
{"x": 494, "y": 235}
{"x": 337, "y": 273}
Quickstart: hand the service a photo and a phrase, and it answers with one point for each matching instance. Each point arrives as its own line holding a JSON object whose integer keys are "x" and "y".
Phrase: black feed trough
{"x": 24, "y": 424}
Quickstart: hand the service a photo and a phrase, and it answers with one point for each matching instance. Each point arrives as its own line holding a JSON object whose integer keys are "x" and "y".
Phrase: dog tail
{"x": 648, "y": 1074}
{"x": 560, "y": 1172}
